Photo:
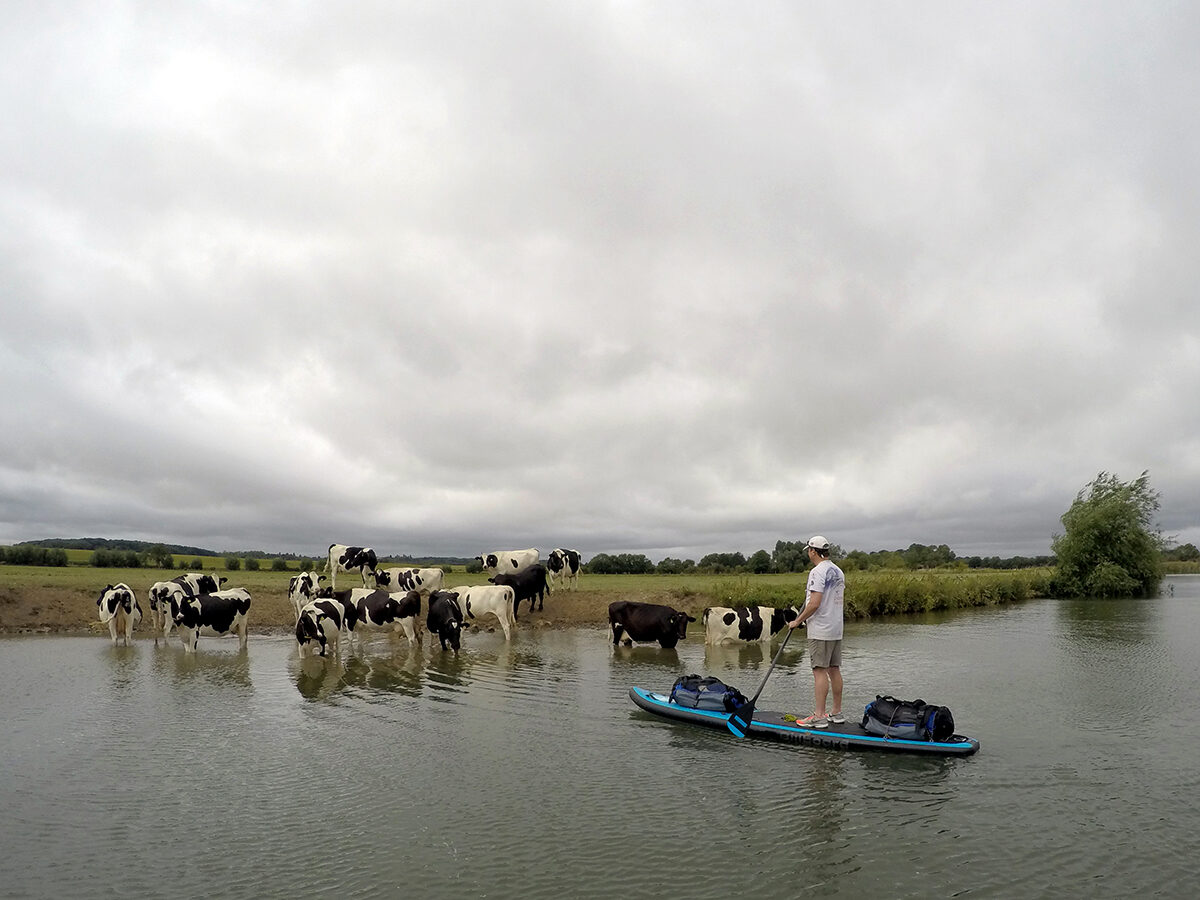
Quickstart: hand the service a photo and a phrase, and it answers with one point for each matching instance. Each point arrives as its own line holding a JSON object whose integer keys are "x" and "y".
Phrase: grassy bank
{"x": 64, "y": 599}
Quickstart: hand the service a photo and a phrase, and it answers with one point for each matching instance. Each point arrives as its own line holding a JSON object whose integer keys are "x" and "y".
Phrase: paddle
{"x": 739, "y": 722}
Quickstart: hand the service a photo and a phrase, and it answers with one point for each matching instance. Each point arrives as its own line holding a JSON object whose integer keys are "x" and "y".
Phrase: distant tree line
{"x": 790, "y": 556}
{"x": 23, "y": 555}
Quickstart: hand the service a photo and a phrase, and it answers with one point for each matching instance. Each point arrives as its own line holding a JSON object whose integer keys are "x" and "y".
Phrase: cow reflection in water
{"x": 736, "y": 656}
{"x": 401, "y": 673}
{"x": 318, "y": 678}
{"x": 220, "y": 668}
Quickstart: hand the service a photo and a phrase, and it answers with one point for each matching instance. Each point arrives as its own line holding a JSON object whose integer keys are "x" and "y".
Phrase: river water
{"x": 522, "y": 770}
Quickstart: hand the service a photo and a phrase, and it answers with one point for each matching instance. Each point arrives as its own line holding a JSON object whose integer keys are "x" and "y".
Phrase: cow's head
{"x": 185, "y": 611}
{"x": 382, "y": 578}
{"x": 781, "y": 617}
{"x": 677, "y": 623}
{"x": 491, "y": 561}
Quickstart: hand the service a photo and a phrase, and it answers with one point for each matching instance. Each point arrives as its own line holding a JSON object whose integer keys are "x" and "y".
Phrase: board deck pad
{"x": 776, "y": 726}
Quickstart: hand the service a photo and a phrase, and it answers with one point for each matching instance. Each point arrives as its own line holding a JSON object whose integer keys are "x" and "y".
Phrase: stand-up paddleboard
{"x": 774, "y": 726}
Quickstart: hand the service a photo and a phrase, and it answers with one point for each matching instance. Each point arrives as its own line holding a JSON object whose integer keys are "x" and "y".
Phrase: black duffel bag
{"x": 913, "y": 720}
{"x": 710, "y": 693}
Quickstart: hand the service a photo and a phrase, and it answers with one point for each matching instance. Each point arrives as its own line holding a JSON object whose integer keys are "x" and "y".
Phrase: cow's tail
{"x": 704, "y": 617}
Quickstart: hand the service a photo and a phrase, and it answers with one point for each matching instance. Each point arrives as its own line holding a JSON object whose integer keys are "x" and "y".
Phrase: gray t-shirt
{"x": 826, "y": 623}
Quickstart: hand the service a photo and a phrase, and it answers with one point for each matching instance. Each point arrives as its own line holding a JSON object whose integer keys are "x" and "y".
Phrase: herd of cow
{"x": 391, "y": 599}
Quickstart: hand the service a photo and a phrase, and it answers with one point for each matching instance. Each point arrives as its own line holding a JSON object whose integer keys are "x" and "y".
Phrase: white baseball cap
{"x": 818, "y": 542}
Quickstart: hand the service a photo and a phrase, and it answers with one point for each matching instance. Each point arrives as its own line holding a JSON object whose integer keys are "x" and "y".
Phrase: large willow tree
{"x": 1110, "y": 546}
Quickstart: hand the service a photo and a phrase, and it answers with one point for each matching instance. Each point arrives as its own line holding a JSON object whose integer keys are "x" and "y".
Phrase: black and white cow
{"x": 350, "y": 559}
{"x": 529, "y": 584}
{"x": 563, "y": 565}
{"x": 508, "y": 561}
{"x": 745, "y": 623}
{"x": 644, "y": 622}
{"x": 426, "y": 581}
{"x": 187, "y": 585}
{"x": 199, "y": 582}
{"x": 319, "y": 623}
{"x": 477, "y": 601}
{"x": 160, "y": 595}
{"x": 445, "y": 619}
{"x": 375, "y": 609}
{"x": 342, "y": 598}
{"x": 215, "y": 614}
{"x": 303, "y": 588}
{"x": 119, "y": 610}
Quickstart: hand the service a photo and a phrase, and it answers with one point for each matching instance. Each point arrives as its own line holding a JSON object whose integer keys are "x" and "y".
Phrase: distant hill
{"x": 106, "y": 544}
{"x": 181, "y": 550}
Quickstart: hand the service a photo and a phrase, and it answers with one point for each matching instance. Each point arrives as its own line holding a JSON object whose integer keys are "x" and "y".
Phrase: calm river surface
{"x": 524, "y": 771}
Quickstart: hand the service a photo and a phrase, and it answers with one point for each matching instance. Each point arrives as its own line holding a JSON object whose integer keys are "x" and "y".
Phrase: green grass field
{"x": 58, "y": 596}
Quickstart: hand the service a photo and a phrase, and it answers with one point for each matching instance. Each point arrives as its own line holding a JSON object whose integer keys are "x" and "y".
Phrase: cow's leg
{"x": 507, "y": 630}
{"x": 616, "y": 630}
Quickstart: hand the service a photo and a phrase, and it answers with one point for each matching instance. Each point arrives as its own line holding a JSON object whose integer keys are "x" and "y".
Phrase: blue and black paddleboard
{"x": 773, "y": 726}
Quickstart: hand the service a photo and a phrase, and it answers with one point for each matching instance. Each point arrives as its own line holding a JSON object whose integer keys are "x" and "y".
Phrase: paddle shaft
{"x": 771, "y": 668}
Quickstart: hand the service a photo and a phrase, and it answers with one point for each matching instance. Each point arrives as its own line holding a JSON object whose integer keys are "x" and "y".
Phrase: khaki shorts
{"x": 825, "y": 654}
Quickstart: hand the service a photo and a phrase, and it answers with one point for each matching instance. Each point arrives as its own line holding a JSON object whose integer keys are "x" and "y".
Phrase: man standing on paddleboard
{"x": 823, "y": 614}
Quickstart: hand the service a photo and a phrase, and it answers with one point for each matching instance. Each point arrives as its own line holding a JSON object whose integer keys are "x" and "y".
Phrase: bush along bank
{"x": 880, "y": 593}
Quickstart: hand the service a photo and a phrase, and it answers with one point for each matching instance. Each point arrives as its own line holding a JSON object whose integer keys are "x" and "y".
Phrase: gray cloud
{"x": 664, "y": 279}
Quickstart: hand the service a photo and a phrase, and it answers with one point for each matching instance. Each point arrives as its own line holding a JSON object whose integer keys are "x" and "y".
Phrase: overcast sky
{"x": 663, "y": 278}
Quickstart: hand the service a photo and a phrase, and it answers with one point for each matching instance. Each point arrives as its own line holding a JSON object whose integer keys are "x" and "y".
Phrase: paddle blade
{"x": 739, "y": 722}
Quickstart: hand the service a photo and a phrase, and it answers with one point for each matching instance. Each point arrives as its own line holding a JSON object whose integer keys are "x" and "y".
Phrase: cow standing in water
{"x": 445, "y": 619}
{"x": 303, "y": 589}
{"x": 745, "y": 623}
{"x": 645, "y": 622}
{"x": 219, "y": 613}
{"x": 119, "y": 610}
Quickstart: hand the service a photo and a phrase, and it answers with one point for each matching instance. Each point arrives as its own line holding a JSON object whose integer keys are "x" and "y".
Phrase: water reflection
{"x": 124, "y": 665}
{"x": 383, "y": 674}
{"x": 646, "y": 656}
{"x": 735, "y": 656}
{"x": 318, "y": 678}
{"x": 510, "y": 658}
{"x": 447, "y": 670}
{"x": 1096, "y": 619}
{"x": 216, "y": 668}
